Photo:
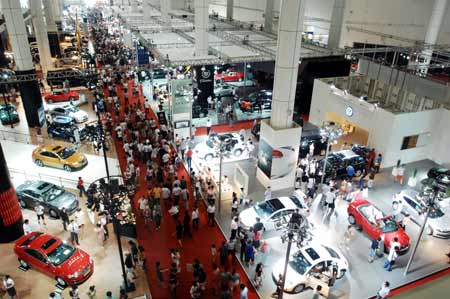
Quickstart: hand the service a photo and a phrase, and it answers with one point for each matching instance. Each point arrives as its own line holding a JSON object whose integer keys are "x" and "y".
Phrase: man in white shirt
{"x": 26, "y": 227}
{"x": 211, "y": 210}
{"x": 268, "y": 193}
{"x": 383, "y": 293}
{"x": 208, "y": 126}
{"x": 9, "y": 286}
{"x": 74, "y": 230}
{"x": 40, "y": 213}
{"x": 234, "y": 227}
{"x": 244, "y": 291}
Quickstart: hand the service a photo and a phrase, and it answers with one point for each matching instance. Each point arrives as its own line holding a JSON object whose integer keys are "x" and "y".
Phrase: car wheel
{"x": 39, "y": 163}
{"x": 342, "y": 274}
{"x": 22, "y": 203}
{"x": 23, "y": 264}
{"x": 351, "y": 220}
{"x": 358, "y": 173}
{"x": 61, "y": 281}
{"x": 67, "y": 168}
{"x": 209, "y": 157}
{"x": 299, "y": 288}
{"x": 53, "y": 214}
{"x": 429, "y": 231}
{"x": 237, "y": 152}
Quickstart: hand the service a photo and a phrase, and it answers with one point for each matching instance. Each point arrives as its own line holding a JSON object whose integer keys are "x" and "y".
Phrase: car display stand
{"x": 278, "y": 155}
{"x": 180, "y": 106}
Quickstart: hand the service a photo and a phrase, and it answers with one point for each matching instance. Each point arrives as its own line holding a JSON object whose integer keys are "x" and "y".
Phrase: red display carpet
{"x": 157, "y": 243}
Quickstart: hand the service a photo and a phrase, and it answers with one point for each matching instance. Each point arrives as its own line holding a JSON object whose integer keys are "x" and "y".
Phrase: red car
{"x": 60, "y": 96}
{"x": 230, "y": 76}
{"x": 48, "y": 254}
{"x": 373, "y": 222}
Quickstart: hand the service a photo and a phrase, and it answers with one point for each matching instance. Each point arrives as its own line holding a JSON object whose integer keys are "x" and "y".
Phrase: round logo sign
{"x": 349, "y": 111}
{"x": 206, "y": 74}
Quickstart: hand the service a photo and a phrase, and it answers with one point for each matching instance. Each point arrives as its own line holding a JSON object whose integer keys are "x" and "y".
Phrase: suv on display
{"x": 310, "y": 134}
{"x": 208, "y": 149}
{"x": 258, "y": 100}
{"x": 338, "y": 162}
{"x": 8, "y": 114}
{"x": 53, "y": 198}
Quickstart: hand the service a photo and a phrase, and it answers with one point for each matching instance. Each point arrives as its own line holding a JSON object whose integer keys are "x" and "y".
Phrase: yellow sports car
{"x": 59, "y": 156}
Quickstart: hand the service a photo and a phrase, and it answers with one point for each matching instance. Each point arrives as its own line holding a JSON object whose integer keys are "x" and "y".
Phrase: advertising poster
{"x": 205, "y": 83}
{"x": 265, "y": 157}
{"x": 284, "y": 161}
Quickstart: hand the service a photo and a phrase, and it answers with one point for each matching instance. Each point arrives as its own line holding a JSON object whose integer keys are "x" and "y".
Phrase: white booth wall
{"x": 387, "y": 130}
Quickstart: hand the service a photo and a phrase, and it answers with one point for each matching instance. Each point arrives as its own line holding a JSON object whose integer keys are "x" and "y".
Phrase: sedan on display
{"x": 375, "y": 224}
{"x": 338, "y": 162}
{"x": 70, "y": 110}
{"x": 58, "y": 156}
{"x": 311, "y": 261}
{"x": 441, "y": 177}
{"x": 8, "y": 114}
{"x": 409, "y": 202}
{"x": 229, "y": 76}
{"x": 259, "y": 100}
{"x": 63, "y": 121}
{"x": 50, "y": 255}
{"x": 208, "y": 149}
{"x": 61, "y": 96}
{"x": 53, "y": 198}
{"x": 223, "y": 90}
{"x": 275, "y": 213}
{"x": 66, "y": 132}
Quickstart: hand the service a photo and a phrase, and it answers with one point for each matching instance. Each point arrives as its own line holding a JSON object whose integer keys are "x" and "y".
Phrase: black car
{"x": 338, "y": 162}
{"x": 258, "y": 100}
{"x": 75, "y": 76}
{"x": 361, "y": 150}
{"x": 55, "y": 130}
{"x": 50, "y": 196}
{"x": 310, "y": 134}
{"x": 441, "y": 176}
{"x": 159, "y": 74}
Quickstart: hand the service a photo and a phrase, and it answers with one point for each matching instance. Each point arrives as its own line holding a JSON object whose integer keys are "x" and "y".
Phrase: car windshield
{"x": 66, "y": 153}
{"x": 60, "y": 254}
{"x": 252, "y": 96}
{"x": 52, "y": 193}
{"x": 388, "y": 225}
{"x": 210, "y": 143}
{"x": 299, "y": 263}
{"x": 266, "y": 208}
{"x": 73, "y": 109}
{"x": 436, "y": 213}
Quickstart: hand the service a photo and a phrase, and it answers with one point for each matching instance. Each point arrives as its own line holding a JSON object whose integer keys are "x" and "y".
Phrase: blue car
{"x": 66, "y": 132}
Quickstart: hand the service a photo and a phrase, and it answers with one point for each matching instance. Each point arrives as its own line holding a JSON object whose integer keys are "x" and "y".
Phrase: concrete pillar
{"x": 268, "y": 16}
{"x": 57, "y": 13}
{"x": 434, "y": 26}
{"x": 134, "y": 6}
{"x": 164, "y": 5}
{"x": 11, "y": 221}
{"x": 29, "y": 90}
{"x": 52, "y": 29}
{"x": 201, "y": 27}
{"x": 337, "y": 20}
{"x": 40, "y": 31}
{"x": 147, "y": 10}
{"x": 230, "y": 4}
{"x": 287, "y": 61}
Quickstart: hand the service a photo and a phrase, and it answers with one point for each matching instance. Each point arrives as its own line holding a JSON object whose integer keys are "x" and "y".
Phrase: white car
{"x": 275, "y": 213}
{"x": 208, "y": 149}
{"x": 316, "y": 260}
{"x": 409, "y": 202}
{"x": 78, "y": 115}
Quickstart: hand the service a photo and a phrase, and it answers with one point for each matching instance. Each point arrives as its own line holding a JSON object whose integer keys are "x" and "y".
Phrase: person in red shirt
{"x": 189, "y": 159}
{"x": 80, "y": 186}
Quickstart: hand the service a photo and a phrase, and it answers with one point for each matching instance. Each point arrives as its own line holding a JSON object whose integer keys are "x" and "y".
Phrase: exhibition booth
{"x": 399, "y": 124}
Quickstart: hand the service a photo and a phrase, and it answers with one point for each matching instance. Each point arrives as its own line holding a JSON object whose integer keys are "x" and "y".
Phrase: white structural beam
{"x": 134, "y": 5}
{"x": 337, "y": 20}
{"x": 431, "y": 37}
{"x": 49, "y": 16}
{"x": 147, "y": 10}
{"x": 164, "y": 6}
{"x": 230, "y": 4}
{"x": 40, "y": 31}
{"x": 268, "y": 16}
{"x": 286, "y": 65}
{"x": 201, "y": 27}
{"x": 17, "y": 33}
{"x": 57, "y": 7}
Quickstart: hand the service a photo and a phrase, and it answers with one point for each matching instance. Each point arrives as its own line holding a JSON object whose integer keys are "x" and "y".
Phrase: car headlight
{"x": 74, "y": 275}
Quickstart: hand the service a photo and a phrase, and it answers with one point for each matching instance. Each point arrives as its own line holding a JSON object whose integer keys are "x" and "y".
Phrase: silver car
{"x": 409, "y": 202}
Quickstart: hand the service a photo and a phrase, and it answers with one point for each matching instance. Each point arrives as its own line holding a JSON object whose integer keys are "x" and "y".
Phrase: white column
{"x": 337, "y": 20}
{"x": 40, "y": 31}
{"x": 57, "y": 12}
{"x": 431, "y": 37}
{"x": 147, "y": 10}
{"x": 17, "y": 34}
{"x": 165, "y": 11}
{"x": 230, "y": 4}
{"x": 268, "y": 16}
{"x": 134, "y": 5}
{"x": 286, "y": 65}
{"x": 49, "y": 16}
{"x": 201, "y": 27}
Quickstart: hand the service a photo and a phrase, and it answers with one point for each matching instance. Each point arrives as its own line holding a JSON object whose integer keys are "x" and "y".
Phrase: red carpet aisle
{"x": 157, "y": 244}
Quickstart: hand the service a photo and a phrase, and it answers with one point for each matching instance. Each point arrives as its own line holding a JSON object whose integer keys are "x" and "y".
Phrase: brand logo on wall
{"x": 206, "y": 74}
{"x": 349, "y": 111}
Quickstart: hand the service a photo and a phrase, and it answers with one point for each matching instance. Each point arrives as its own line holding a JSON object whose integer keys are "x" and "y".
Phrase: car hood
{"x": 441, "y": 223}
{"x": 79, "y": 114}
{"x": 248, "y": 217}
{"x": 76, "y": 263}
{"x": 293, "y": 278}
{"x": 66, "y": 200}
{"x": 403, "y": 238}
{"x": 76, "y": 157}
